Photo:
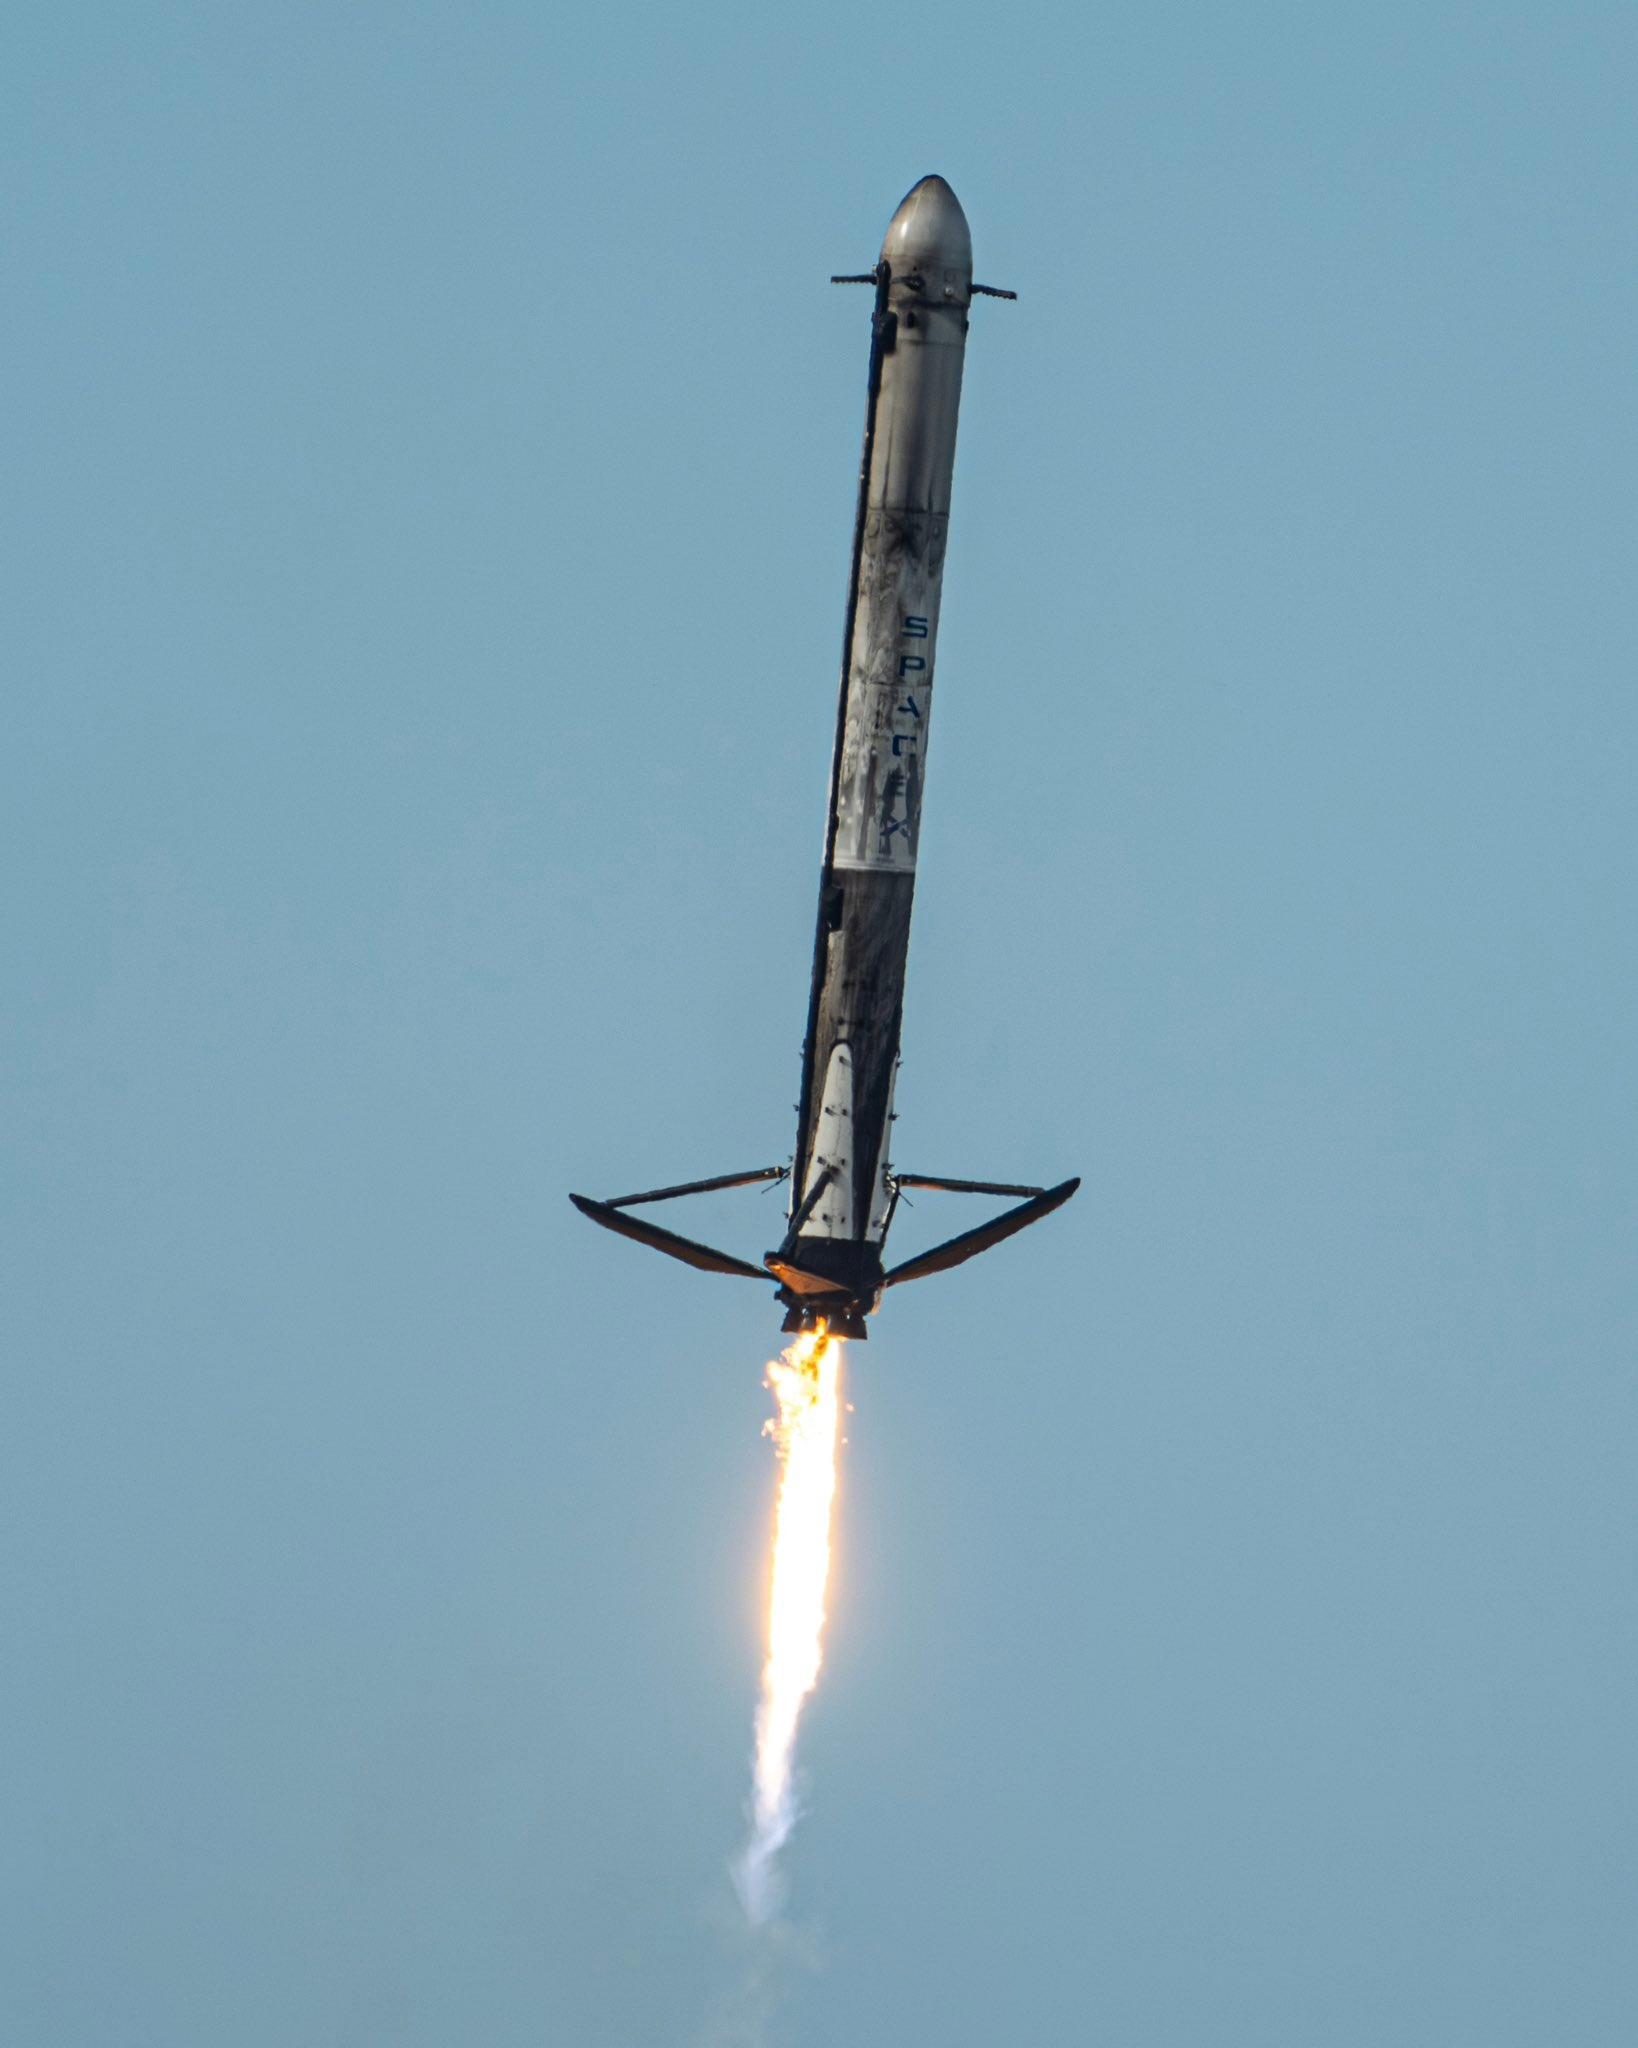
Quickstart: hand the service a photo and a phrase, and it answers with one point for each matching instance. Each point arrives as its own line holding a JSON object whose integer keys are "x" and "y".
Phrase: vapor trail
{"x": 805, "y": 1383}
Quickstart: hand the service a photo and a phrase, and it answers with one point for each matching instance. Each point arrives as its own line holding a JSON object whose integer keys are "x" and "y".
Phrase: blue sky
{"x": 430, "y": 442}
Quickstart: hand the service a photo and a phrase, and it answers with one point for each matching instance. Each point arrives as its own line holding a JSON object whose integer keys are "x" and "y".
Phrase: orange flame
{"x": 806, "y": 1386}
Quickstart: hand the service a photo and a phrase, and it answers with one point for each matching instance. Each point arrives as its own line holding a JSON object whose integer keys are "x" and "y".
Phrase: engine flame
{"x": 806, "y": 1386}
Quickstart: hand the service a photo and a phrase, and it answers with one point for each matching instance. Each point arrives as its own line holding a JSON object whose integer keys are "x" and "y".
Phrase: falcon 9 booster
{"x": 843, "y": 1185}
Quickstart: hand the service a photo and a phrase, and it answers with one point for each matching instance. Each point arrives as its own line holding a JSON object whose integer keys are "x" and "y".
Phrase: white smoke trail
{"x": 805, "y": 1383}
{"x": 766, "y": 1967}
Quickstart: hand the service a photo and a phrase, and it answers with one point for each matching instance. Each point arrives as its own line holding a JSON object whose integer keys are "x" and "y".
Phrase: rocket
{"x": 829, "y": 1268}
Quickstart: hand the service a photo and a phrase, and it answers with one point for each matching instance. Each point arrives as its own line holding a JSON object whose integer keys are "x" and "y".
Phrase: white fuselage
{"x": 924, "y": 289}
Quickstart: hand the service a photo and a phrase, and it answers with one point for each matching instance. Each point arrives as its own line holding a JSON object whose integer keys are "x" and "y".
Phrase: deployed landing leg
{"x": 612, "y": 1216}
{"x": 1041, "y": 1202}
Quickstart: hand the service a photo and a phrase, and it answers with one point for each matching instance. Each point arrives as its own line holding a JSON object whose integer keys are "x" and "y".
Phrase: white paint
{"x": 907, "y": 515}
{"x": 881, "y": 1194}
{"x": 833, "y": 1147}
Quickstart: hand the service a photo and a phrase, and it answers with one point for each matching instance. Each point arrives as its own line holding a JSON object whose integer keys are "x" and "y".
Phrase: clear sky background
{"x": 429, "y": 456}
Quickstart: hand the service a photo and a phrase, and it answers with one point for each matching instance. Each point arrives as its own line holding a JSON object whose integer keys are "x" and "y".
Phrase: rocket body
{"x": 829, "y": 1268}
{"x": 841, "y": 1176}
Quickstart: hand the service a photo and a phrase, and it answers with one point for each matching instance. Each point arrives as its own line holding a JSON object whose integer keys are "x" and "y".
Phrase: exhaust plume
{"x": 805, "y": 1382}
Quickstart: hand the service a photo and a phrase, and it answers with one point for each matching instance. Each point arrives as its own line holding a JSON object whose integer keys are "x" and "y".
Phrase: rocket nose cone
{"x": 929, "y": 231}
